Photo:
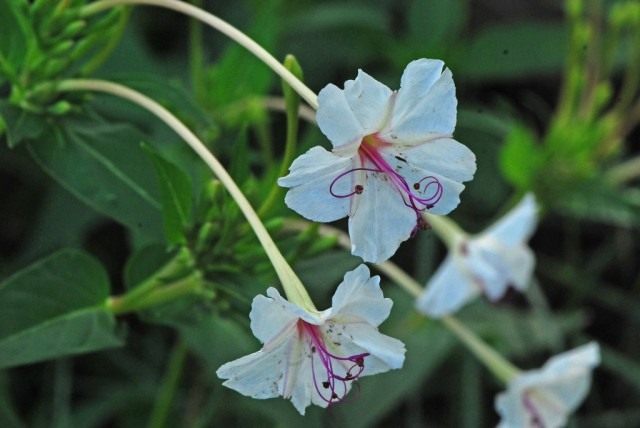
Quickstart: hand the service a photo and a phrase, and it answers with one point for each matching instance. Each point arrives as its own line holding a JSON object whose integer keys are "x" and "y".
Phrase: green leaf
{"x": 175, "y": 191}
{"x": 331, "y": 15}
{"x": 520, "y": 333}
{"x": 16, "y": 35}
{"x": 513, "y": 51}
{"x": 145, "y": 262}
{"x": 53, "y": 308}
{"x": 238, "y": 74}
{"x": 597, "y": 200}
{"x": 435, "y": 23}
{"x": 104, "y": 166}
{"x": 521, "y": 158}
{"x": 19, "y": 125}
{"x": 626, "y": 368}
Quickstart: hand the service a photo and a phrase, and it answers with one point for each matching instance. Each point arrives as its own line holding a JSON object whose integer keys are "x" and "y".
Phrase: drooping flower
{"x": 544, "y": 398}
{"x": 393, "y": 157}
{"x": 487, "y": 263}
{"x": 315, "y": 357}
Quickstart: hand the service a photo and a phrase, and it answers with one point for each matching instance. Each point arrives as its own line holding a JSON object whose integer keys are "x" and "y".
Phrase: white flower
{"x": 544, "y": 398}
{"x": 393, "y": 157}
{"x": 314, "y": 357}
{"x": 487, "y": 263}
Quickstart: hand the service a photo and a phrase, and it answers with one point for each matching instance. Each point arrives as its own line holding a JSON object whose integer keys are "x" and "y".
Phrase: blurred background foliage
{"x": 548, "y": 101}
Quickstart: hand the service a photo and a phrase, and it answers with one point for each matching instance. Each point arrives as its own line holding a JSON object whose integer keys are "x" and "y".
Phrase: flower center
{"x": 419, "y": 196}
{"x": 330, "y": 380}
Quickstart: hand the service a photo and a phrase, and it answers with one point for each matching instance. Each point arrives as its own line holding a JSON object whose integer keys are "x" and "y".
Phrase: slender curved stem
{"x": 224, "y": 27}
{"x": 496, "y": 363}
{"x": 446, "y": 229}
{"x": 170, "y": 384}
{"x": 292, "y": 285}
{"x": 292, "y": 107}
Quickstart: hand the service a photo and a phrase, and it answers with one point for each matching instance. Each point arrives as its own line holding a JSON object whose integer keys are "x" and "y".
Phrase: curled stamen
{"x": 413, "y": 200}
{"x": 358, "y": 188}
{"x": 329, "y": 392}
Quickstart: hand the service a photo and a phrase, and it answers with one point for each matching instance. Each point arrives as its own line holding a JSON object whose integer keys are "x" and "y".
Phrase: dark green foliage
{"x": 546, "y": 103}
{"x": 54, "y": 308}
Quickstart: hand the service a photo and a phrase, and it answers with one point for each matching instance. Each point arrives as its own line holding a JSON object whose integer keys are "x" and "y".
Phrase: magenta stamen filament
{"x": 334, "y": 387}
{"x": 536, "y": 419}
{"x": 369, "y": 152}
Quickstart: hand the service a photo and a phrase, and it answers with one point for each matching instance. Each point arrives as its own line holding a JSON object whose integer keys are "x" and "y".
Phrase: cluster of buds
{"x": 56, "y": 41}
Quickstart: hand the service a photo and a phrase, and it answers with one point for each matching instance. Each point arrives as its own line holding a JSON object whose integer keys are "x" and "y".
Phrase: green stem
{"x": 225, "y": 28}
{"x": 261, "y": 127}
{"x": 170, "y": 383}
{"x": 292, "y": 108}
{"x": 192, "y": 284}
{"x": 446, "y": 229}
{"x": 181, "y": 263}
{"x": 293, "y": 287}
{"x": 496, "y": 363}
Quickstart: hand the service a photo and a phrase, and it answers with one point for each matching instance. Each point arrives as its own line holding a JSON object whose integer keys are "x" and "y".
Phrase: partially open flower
{"x": 393, "y": 158}
{"x": 544, "y": 398}
{"x": 315, "y": 357}
{"x": 487, "y": 263}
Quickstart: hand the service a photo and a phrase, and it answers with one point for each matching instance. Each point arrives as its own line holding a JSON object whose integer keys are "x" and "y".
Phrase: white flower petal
{"x": 496, "y": 265}
{"x": 303, "y": 390}
{"x": 423, "y": 109}
{"x": 269, "y": 315}
{"x": 551, "y": 393}
{"x": 444, "y": 160}
{"x": 518, "y": 225}
{"x": 447, "y": 291}
{"x": 369, "y": 100}
{"x": 386, "y": 352}
{"x": 381, "y": 222}
{"x": 444, "y": 156}
{"x": 359, "y": 297}
{"x": 521, "y": 261}
{"x": 335, "y": 118}
{"x": 262, "y": 374}
{"x": 417, "y": 79}
{"x": 310, "y": 181}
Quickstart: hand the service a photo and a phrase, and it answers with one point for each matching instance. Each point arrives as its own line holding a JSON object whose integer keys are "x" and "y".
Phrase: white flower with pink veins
{"x": 314, "y": 357}
{"x": 393, "y": 157}
{"x": 545, "y": 398}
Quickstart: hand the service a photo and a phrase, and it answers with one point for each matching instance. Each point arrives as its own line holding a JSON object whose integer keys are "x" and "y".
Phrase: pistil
{"x": 373, "y": 161}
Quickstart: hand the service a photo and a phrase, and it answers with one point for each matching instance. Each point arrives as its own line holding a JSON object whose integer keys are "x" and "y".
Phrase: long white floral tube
{"x": 292, "y": 285}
